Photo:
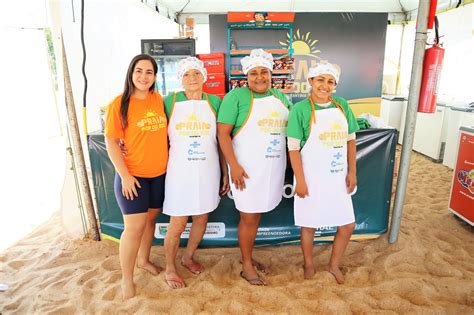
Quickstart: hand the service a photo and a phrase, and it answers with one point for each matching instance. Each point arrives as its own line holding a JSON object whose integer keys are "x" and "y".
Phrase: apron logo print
{"x": 336, "y": 137}
{"x": 275, "y": 122}
{"x": 192, "y": 151}
{"x": 337, "y": 165}
{"x": 273, "y": 144}
{"x": 192, "y": 126}
{"x": 195, "y": 144}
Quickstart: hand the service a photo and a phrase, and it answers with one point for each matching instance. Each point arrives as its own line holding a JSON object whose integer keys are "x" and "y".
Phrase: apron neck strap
{"x": 337, "y": 105}
{"x": 313, "y": 111}
{"x": 172, "y": 104}
{"x": 174, "y": 97}
{"x": 209, "y": 103}
{"x": 251, "y": 97}
{"x": 271, "y": 92}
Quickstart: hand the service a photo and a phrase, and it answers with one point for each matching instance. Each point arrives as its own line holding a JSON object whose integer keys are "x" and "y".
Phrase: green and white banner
{"x": 375, "y": 160}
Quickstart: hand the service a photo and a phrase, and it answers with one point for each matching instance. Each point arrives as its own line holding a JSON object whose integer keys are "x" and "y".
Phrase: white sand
{"x": 430, "y": 269}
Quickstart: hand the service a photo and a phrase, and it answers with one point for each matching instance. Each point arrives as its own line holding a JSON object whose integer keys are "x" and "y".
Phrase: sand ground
{"x": 429, "y": 270}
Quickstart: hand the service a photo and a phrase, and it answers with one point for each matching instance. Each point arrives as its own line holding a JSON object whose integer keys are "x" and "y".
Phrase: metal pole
{"x": 77, "y": 150}
{"x": 410, "y": 121}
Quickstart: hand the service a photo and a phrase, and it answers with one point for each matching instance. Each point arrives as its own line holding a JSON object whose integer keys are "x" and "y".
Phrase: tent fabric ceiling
{"x": 399, "y": 10}
{"x": 222, "y": 6}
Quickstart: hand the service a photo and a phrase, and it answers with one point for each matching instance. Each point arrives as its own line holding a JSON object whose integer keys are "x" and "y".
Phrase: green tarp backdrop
{"x": 375, "y": 161}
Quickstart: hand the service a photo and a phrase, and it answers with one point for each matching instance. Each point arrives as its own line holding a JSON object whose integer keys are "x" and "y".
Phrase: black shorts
{"x": 150, "y": 195}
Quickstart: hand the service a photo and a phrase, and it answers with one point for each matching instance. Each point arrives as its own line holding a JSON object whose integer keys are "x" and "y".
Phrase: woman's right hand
{"x": 122, "y": 147}
{"x": 301, "y": 189}
{"x": 129, "y": 187}
{"x": 237, "y": 174}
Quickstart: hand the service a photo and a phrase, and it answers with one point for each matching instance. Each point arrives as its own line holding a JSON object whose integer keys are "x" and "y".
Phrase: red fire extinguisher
{"x": 432, "y": 65}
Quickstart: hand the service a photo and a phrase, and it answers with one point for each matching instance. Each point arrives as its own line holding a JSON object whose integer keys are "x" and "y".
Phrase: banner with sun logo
{"x": 355, "y": 42}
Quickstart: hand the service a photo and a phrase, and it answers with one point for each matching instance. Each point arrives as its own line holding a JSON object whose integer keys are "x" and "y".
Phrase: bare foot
{"x": 336, "y": 272}
{"x": 308, "y": 271}
{"x": 193, "y": 266}
{"x": 173, "y": 280}
{"x": 151, "y": 268}
{"x": 128, "y": 289}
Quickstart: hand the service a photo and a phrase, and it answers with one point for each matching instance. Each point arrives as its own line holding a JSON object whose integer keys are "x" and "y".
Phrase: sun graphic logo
{"x": 276, "y": 114}
{"x": 306, "y": 56}
{"x": 150, "y": 113}
{"x": 337, "y": 126}
{"x": 151, "y": 121}
{"x": 193, "y": 117}
{"x": 302, "y": 45}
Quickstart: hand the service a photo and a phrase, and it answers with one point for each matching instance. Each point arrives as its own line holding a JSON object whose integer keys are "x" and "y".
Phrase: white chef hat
{"x": 324, "y": 68}
{"x": 258, "y": 58}
{"x": 189, "y": 63}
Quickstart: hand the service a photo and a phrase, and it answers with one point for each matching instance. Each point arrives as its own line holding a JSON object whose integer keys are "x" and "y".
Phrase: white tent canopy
{"x": 200, "y": 9}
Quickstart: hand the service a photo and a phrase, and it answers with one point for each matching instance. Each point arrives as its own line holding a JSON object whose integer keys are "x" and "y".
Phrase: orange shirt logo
{"x": 151, "y": 122}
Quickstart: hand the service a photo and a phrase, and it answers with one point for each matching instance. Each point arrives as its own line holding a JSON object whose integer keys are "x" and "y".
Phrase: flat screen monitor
{"x": 168, "y": 47}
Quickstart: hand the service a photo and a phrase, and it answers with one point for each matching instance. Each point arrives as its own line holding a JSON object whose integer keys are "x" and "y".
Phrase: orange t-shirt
{"x": 145, "y": 137}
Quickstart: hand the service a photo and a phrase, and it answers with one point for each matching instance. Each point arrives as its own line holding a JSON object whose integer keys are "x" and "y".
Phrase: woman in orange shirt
{"x": 137, "y": 119}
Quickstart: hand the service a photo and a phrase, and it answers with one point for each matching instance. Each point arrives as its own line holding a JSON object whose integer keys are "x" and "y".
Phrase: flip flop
{"x": 259, "y": 266}
{"x": 254, "y": 281}
{"x": 175, "y": 280}
{"x": 194, "y": 267}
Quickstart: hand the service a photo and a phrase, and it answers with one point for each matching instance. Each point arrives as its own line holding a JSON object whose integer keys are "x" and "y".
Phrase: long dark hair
{"x": 128, "y": 88}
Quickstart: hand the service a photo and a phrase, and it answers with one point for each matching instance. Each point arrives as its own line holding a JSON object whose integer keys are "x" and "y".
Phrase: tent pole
{"x": 77, "y": 150}
{"x": 410, "y": 121}
{"x": 397, "y": 84}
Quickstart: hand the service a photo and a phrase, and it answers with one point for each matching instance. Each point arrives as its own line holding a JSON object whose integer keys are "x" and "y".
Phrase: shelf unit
{"x": 244, "y": 52}
{"x": 275, "y": 51}
{"x": 274, "y": 72}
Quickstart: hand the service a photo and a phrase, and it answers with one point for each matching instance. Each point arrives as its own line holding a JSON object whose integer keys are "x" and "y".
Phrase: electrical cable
{"x": 84, "y": 57}
{"x": 436, "y": 23}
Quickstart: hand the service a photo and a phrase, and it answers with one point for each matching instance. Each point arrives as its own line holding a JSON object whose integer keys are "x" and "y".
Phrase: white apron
{"x": 260, "y": 148}
{"x": 193, "y": 173}
{"x": 324, "y": 158}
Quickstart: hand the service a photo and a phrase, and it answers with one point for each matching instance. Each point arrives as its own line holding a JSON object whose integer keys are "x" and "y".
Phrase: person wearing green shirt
{"x": 321, "y": 145}
{"x": 251, "y": 129}
{"x": 193, "y": 173}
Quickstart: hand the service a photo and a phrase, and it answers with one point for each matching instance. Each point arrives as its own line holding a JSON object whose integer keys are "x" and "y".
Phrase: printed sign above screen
{"x": 353, "y": 41}
{"x": 260, "y": 19}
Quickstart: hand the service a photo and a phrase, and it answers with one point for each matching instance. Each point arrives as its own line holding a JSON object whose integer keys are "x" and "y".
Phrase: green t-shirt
{"x": 214, "y": 100}
{"x": 236, "y": 105}
{"x": 299, "y": 120}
